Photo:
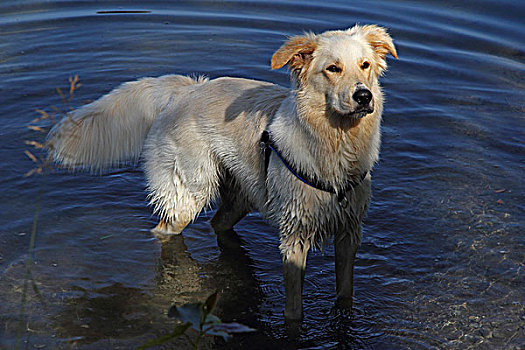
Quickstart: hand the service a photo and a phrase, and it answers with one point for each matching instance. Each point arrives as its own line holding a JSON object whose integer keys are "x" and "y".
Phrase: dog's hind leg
{"x": 345, "y": 251}
{"x": 228, "y": 214}
{"x": 169, "y": 227}
{"x": 294, "y": 265}
{"x": 177, "y": 202}
{"x": 181, "y": 182}
{"x": 232, "y": 207}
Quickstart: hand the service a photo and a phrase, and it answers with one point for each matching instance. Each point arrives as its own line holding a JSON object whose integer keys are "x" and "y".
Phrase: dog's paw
{"x": 164, "y": 228}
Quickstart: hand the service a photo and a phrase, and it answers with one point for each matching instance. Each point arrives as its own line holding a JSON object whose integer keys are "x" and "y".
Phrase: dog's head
{"x": 341, "y": 67}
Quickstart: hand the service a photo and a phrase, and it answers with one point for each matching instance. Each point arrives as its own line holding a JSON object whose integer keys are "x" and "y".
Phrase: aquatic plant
{"x": 44, "y": 122}
{"x": 42, "y": 165}
{"x": 199, "y": 317}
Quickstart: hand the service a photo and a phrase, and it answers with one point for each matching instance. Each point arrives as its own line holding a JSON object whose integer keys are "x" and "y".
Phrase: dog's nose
{"x": 362, "y": 97}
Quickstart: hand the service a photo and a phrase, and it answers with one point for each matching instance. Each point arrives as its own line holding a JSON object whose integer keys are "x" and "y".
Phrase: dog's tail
{"x": 113, "y": 128}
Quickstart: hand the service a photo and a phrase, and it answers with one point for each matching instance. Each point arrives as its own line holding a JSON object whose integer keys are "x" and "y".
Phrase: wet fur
{"x": 200, "y": 140}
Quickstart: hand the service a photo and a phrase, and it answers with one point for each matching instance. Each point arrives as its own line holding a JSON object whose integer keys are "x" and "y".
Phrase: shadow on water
{"x": 120, "y": 312}
{"x": 240, "y": 293}
{"x": 115, "y": 311}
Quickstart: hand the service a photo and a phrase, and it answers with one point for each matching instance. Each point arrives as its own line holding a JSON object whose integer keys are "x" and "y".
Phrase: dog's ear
{"x": 296, "y": 52}
{"x": 381, "y": 43}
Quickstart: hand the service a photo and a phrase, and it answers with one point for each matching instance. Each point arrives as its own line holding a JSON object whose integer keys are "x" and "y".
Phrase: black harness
{"x": 270, "y": 146}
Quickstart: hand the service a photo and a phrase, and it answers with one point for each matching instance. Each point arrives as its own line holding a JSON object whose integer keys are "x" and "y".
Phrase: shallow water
{"x": 441, "y": 263}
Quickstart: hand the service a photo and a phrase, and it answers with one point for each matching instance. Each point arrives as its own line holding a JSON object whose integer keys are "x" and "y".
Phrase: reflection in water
{"x": 89, "y": 316}
{"x": 177, "y": 274}
{"x": 240, "y": 294}
{"x": 231, "y": 274}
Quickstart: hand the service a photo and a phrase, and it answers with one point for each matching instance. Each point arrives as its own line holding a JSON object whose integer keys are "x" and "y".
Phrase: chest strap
{"x": 270, "y": 146}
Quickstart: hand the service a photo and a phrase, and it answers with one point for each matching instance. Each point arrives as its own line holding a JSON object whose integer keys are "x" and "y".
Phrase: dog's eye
{"x": 333, "y": 68}
{"x": 365, "y": 65}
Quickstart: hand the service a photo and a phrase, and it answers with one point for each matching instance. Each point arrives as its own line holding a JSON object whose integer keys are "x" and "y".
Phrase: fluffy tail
{"x": 113, "y": 128}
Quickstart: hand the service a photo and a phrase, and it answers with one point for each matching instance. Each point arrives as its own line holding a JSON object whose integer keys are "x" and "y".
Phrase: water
{"x": 441, "y": 263}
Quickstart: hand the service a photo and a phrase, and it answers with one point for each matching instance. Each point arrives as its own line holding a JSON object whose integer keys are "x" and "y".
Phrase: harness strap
{"x": 270, "y": 146}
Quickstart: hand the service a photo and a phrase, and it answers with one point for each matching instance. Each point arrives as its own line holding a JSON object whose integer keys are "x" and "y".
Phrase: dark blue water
{"x": 442, "y": 259}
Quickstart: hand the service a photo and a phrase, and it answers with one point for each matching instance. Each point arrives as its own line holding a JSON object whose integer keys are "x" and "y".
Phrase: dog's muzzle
{"x": 363, "y": 97}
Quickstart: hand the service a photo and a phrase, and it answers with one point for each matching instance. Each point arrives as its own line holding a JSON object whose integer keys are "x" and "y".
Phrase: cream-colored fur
{"x": 200, "y": 140}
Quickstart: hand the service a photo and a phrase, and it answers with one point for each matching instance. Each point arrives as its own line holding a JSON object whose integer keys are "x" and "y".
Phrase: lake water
{"x": 442, "y": 259}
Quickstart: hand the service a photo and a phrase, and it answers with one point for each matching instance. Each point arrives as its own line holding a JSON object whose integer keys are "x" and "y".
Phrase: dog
{"x": 301, "y": 157}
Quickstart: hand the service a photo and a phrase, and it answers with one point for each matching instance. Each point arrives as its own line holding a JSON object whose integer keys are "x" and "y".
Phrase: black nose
{"x": 362, "y": 97}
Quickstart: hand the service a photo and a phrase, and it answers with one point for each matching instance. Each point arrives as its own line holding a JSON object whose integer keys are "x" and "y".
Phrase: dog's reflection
{"x": 178, "y": 275}
{"x": 232, "y": 275}
{"x": 124, "y": 312}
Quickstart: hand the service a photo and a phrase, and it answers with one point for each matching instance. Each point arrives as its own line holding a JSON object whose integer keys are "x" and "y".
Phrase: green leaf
{"x": 191, "y": 313}
{"x": 212, "y": 331}
{"x": 177, "y": 332}
{"x": 198, "y": 314}
{"x": 224, "y": 329}
{"x": 233, "y": 327}
{"x": 210, "y": 303}
{"x": 211, "y": 320}
{"x": 180, "y": 329}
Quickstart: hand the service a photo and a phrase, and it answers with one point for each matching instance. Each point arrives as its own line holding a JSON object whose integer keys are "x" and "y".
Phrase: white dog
{"x": 301, "y": 157}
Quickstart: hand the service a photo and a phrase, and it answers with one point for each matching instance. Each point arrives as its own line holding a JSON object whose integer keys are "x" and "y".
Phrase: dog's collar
{"x": 269, "y": 146}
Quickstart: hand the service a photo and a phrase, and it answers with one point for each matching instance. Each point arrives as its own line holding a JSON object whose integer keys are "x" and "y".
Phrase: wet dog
{"x": 301, "y": 157}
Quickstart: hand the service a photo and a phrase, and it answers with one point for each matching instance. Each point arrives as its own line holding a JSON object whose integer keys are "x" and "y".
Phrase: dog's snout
{"x": 362, "y": 97}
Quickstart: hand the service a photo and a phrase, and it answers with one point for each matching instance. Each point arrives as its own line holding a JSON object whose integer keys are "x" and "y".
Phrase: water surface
{"x": 441, "y": 263}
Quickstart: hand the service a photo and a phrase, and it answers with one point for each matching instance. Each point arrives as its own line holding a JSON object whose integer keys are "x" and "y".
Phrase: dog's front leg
{"x": 294, "y": 265}
{"x": 345, "y": 250}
